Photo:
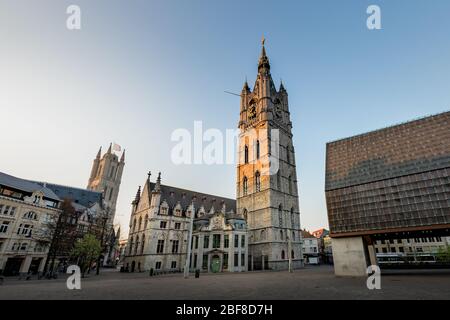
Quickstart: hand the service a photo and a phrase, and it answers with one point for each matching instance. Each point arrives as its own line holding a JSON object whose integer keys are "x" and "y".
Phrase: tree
{"x": 443, "y": 255}
{"x": 86, "y": 251}
{"x": 59, "y": 233}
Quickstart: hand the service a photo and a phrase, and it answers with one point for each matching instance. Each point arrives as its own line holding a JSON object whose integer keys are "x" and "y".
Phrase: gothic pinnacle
{"x": 99, "y": 153}
{"x": 122, "y": 158}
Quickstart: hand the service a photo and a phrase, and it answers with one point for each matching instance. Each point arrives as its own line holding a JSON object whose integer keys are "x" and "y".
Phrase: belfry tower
{"x": 106, "y": 175}
{"x": 267, "y": 194}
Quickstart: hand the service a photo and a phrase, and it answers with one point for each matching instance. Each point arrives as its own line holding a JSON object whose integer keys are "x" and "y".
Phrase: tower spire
{"x": 263, "y": 59}
{"x": 138, "y": 196}
{"x": 109, "y": 149}
{"x": 158, "y": 183}
{"x": 99, "y": 153}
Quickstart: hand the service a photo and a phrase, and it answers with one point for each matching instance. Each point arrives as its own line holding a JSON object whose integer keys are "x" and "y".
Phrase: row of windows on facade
{"x": 402, "y": 249}
{"x": 415, "y": 240}
{"x": 10, "y": 211}
{"x": 258, "y": 153}
{"x": 216, "y": 243}
{"x": 261, "y": 236}
{"x": 24, "y": 229}
{"x": 162, "y": 225}
{"x": 204, "y": 262}
{"x": 19, "y": 196}
{"x": 17, "y": 246}
{"x": 257, "y": 183}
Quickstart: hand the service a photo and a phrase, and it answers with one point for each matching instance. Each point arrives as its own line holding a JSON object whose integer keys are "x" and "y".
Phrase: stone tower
{"x": 106, "y": 175}
{"x": 267, "y": 192}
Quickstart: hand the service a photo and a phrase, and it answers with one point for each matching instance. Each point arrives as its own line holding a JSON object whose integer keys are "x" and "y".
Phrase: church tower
{"x": 267, "y": 194}
{"x": 106, "y": 175}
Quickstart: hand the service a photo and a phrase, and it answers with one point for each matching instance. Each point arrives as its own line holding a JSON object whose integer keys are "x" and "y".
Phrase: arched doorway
{"x": 215, "y": 264}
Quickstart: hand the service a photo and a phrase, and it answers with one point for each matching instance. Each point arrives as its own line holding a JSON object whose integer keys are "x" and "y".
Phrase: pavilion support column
{"x": 350, "y": 256}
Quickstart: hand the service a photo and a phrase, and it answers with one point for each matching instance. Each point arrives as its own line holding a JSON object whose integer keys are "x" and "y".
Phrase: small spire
{"x": 122, "y": 158}
{"x": 99, "y": 153}
{"x": 263, "y": 59}
{"x": 138, "y": 196}
{"x": 246, "y": 88}
{"x": 158, "y": 183}
{"x": 148, "y": 175}
{"x": 281, "y": 86}
{"x": 109, "y": 149}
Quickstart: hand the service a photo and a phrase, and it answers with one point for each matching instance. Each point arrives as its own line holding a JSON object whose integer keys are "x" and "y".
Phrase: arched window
{"x": 290, "y": 184}
{"x": 257, "y": 181}
{"x": 134, "y": 225}
{"x": 292, "y": 254}
{"x": 131, "y": 246}
{"x": 279, "y": 180}
{"x": 280, "y": 215}
{"x": 245, "y": 214}
{"x": 246, "y": 154}
{"x": 281, "y": 235}
{"x": 257, "y": 149}
{"x": 143, "y": 244}
{"x": 30, "y": 215}
{"x": 136, "y": 246}
{"x": 140, "y": 223}
{"x": 283, "y": 255}
{"x": 288, "y": 156}
{"x": 245, "y": 186}
{"x": 263, "y": 235}
{"x": 292, "y": 217}
{"x": 146, "y": 221}
{"x": 293, "y": 235}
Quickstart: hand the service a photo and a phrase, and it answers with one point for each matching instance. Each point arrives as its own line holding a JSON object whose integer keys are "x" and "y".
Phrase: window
{"x": 225, "y": 260}
{"x": 140, "y": 223}
{"x": 146, "y": 222}
{"x": 160, "y": 247}
{"x": 30, "y": 215}
{"x": 177, "y": 225}
{"x": 236, "y": 260}
{"x": 206, "y": 242}
{"x": 131, "y": 246}
{"x": 163, "y": 224}
{"x": 111, "y": 194}
{"x": 282, "y": 236}
{"x": 245, "y": 186}
{"x": 257, "y": 181}
{"x": 280, "y": 215}
{"x": 290, "y": 184}
{"x": 236, "y": 241}
{"x": 195, "y": 260}
{"x": 246, "y": 154}
{"x": 5, "y": 212}
{"x": 216, "y": 241}
{"x": 243, "y": 259}
{"x": 205, "y": 262}
{"x": 25, "y": 229}
{"x": 13, "y": 210}
{"x": 243, "y": 241}
{"x": 196, "y": 242}
{"x": 257, "y": 149}
{"x": 226, "y": 241}
{"x": 279, "y": 180}
{"x": 288, "y": 157}
{"x": 158, "y": 265}
{"x": 4, "y": 226}
{"x": 282, "y": 254}
{"x": 136, "y": 247}
{"x": 263, "y": 235}
{"x": 143, "y": 244}
{"x": 173, "y": 265}
{"x": 175, "y": 245}
{"x": 292, "y": 218}
{"x": 245, "y": 214}
{"x": 23, "y": 247}
{"x": 134, "y": 225}
{"x": 292, "y": 254}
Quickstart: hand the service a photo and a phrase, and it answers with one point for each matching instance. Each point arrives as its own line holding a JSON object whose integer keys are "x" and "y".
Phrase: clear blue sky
{"x": 140, "y": 69}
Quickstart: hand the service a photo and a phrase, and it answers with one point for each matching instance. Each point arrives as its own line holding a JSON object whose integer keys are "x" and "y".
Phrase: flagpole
{"x": 188, "y": 258}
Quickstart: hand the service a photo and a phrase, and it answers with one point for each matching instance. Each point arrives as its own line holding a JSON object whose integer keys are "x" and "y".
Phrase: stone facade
{"x": 159, "y": 229}
{"x": 268, "y": 197}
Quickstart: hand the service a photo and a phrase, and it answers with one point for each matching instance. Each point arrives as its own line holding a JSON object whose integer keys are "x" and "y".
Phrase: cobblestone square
{"x": 309, "y": 283}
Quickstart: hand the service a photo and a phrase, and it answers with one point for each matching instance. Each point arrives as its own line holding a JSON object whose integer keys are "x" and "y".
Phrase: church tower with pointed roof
{"x": 266, "y": 180}
{"x": 106, "y": 176}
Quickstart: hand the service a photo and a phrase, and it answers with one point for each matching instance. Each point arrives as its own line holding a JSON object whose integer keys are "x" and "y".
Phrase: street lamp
{"x": 188, "y": 258}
